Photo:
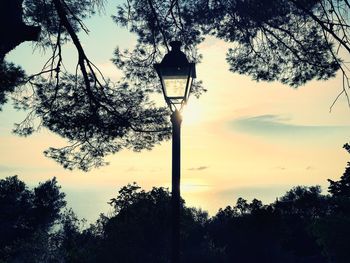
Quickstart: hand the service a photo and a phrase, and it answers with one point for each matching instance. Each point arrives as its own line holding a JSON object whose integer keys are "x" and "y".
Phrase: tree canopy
{"x": 302, "y": 226}
{"x": 291, "y": 41}
{"x": 27, "y": 216}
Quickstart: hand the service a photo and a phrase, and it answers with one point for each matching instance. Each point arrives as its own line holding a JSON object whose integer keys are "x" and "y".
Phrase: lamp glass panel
{"x": 175, "y": 86}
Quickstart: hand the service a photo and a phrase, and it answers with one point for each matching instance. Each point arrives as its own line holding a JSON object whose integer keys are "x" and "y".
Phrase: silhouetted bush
{"x": 302, "y": 226}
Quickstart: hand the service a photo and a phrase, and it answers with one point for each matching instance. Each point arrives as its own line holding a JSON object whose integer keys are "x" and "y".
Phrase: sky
{"x": 240, "y": 139}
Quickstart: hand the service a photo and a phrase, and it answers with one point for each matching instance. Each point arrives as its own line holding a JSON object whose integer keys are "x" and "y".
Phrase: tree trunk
{"x": 13, "y": 31}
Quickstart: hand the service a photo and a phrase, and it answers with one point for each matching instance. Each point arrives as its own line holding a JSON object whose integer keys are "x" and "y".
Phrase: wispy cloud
{"x": 7, "y": 169}
{"x": 200, "y": 168}
{"x": 131, "y": 169}
{"x": 278, "y": 126}
{"x": 280, "y": 168}
{"x": 309, "y": 168}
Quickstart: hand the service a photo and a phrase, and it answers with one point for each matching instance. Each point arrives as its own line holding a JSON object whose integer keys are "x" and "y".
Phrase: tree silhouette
{"x": 11, "y": 76}
{"x": 26, "y": 216}
{"x": 332, "y": 230}
{"x": 298, "y": 209}
{"x": 13, "y": 30}
{"x": 250, "y": 235}
{"x": 292, "y": 41}
{"x": 73, "y": 242}
{"x": 302, "y": 226}
{"x": 23, "y": 21}
{"x": 341, "y": 188}
{"x": 96, "y": 116}
{"x": 332, "y": 235}
{"x": 142, "y": 224}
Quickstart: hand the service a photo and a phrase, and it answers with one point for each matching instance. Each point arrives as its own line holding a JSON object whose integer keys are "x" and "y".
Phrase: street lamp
{"x": 176, "y": 75}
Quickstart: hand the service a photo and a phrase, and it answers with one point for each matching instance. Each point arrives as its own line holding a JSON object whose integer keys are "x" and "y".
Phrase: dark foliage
{"x": 272, "y": 40}
{"x": 142, "y": 224}
{"x": 332, "y": 231}
{"x": 96, "y": 116}
{"x": 341, "y": 188}
{"x": 291, "y": 41}
{"x": 111, "y": 119}
{"x": 11, "y": 76}
{"x": 303, "y": 226}
{"x": 26, "y": 217}
{"x": 276, "y": 41}
{"x": 13, "y": 30}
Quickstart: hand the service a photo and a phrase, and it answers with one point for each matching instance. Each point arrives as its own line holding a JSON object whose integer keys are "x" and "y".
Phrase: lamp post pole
{"x": 176, "y": 120}
{"x": 176, "y": 75}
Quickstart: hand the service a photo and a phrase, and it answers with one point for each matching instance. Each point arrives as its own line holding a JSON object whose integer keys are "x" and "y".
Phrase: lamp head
{"x": 176, "y": 75}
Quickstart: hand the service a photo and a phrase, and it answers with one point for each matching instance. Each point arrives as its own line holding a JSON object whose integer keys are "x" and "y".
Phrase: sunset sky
{"x": 240, "y": 139}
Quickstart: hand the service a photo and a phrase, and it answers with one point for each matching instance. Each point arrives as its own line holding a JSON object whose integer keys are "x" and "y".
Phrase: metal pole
{"x": 175, "y": 190}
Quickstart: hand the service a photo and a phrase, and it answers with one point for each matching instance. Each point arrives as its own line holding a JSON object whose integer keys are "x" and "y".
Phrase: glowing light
{"x": 192, "y": 113}
{"x": 175, "y": 85}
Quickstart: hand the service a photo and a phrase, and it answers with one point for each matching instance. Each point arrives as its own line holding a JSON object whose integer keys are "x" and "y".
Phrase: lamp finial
{"x": 175, "y": 45}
